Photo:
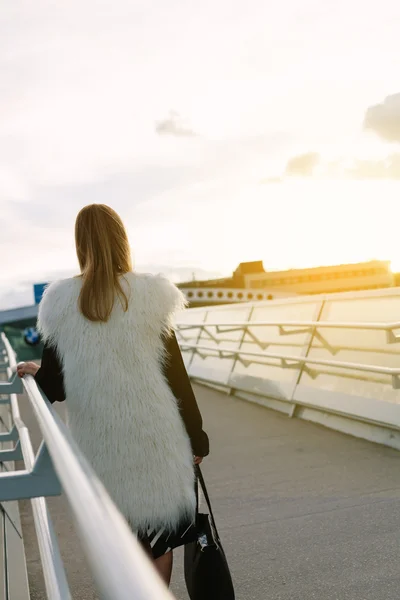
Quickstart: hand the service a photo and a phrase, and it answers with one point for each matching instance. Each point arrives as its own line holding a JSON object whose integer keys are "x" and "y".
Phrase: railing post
{"x": 230, "y": 390}
{"x": 305, "y": 352}
{"x": 197, "y": 342}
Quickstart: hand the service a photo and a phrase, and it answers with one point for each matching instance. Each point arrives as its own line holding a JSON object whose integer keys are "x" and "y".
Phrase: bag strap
{"x": 200, "y": 479}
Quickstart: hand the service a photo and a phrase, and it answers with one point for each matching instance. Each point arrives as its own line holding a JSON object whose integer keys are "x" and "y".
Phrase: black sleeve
{"x": 50, "y": 376}
{"x": 179, "y": 382}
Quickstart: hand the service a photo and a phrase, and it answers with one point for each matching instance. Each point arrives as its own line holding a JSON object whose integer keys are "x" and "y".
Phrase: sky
{"x": 221, "y": 131}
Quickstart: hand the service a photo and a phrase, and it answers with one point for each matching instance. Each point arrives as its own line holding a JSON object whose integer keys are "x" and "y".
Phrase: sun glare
{"x": 395, "y": 265}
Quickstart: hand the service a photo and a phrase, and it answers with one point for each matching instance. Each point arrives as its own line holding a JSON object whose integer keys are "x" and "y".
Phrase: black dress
{"x": 51, "y": 380}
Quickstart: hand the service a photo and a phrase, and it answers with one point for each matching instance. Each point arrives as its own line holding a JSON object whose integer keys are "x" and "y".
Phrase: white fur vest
{"x": 120, "y": 409}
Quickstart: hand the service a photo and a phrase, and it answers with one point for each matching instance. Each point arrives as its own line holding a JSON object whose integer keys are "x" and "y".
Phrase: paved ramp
{"x": 304, "y": 512}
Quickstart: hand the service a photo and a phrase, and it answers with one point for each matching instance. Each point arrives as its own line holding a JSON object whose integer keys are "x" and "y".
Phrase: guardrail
{"x": 37, "y": 479}
{"x": 295, "y": 360}
{"x": 13, "y": 572}
{"x": 296, "y": 327}
{"x": 120, "y": 568}
{"x": 304, "y": 326}
{"x": 314, "y": 368}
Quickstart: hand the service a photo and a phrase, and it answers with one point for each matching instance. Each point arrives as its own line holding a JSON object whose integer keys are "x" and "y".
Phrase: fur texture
{"x": 120, "y": 409}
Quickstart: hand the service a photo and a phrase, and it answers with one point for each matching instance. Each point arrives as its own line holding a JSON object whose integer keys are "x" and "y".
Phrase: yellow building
{"x": 319, "y": 280}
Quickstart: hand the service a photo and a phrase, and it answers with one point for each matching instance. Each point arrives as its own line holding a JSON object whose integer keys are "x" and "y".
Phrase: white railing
{"x": 389, "y": 328}
{"x": 284, "y": 328}
{"x": 53, "y": 570}
{"x": 324, "y": 365}
{"x": 120, "y": 568}
{"x": 294, "y": 360}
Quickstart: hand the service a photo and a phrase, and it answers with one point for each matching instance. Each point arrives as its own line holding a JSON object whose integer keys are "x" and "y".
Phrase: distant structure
{"x": 250, "y": 281}
{"x": 206, "y": 296}
{"x": 231, "y": 290}
{"x": 326, "y": 280}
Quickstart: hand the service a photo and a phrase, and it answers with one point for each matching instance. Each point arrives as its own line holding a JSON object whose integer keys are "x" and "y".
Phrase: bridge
{"x": 300, "y": 398}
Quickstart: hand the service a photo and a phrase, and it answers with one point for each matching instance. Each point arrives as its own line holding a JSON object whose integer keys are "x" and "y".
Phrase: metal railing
{"x": 295, "y": 327}
{"x": 27, "y": 480}
{"x": 394, "y": 373}
{"x": 120, "y": 569}
{"x": 217, "y": 338}
{"x": 303, "y": 327}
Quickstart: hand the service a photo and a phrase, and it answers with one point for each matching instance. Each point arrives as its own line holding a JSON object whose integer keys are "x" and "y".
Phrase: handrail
{"x": 393, "y": 372}
{"x": 317, "y": 324}
{"x": 53, "y": 570}
{"x": 120, "y": 568}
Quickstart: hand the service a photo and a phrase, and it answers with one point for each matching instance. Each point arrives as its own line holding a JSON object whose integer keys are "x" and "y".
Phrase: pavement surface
{"x": 303, "y": 512}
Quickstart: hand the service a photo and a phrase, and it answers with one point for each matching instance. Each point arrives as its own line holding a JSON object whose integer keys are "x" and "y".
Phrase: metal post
{"x": 304, "y": 354}
{"x": 230, "y": 390}
{"x": 197, "y": 341}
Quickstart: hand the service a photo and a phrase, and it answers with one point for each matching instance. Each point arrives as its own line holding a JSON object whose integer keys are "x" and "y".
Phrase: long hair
{"x": 104, "y": 255}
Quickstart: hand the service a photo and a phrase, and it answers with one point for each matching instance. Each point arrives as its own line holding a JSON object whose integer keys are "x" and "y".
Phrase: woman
{"x": 110, "y": 352}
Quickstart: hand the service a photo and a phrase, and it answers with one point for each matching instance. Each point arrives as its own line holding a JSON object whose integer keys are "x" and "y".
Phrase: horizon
{"x": 26, "y": 289}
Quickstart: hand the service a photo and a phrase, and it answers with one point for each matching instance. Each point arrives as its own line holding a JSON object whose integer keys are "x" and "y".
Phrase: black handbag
{"x": 207, "y": 573}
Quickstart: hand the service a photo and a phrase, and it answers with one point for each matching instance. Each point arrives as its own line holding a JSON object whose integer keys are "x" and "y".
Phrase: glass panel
{"x": 357, "y": 346}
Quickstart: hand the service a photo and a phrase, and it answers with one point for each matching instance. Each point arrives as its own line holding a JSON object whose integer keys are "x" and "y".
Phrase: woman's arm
{"x": 179, "y": 382}
{"x": 50, "y": 376}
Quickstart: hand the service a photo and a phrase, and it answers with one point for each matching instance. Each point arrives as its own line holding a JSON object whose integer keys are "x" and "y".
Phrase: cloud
{"x": 384, "y": 118}
{"x": 174, "y": 125}
{"x": 388, "y": 168}
{"x": 302, "y": 165}
{"x": 341, "y": 168}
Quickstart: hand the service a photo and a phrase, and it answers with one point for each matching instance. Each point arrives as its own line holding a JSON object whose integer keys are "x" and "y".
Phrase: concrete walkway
{"x": 303, "y": 512}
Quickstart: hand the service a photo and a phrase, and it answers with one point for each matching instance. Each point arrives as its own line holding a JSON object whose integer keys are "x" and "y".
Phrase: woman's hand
{"x": 198, "y": 460}
{"x": 27, "y": 368}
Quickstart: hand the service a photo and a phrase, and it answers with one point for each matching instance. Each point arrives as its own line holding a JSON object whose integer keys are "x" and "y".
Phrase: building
{"x": 325, "y": 280}
{"x": 267, "y": 285}
{"x": 230, "y": 290}
{"x": 210, "y": 295}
